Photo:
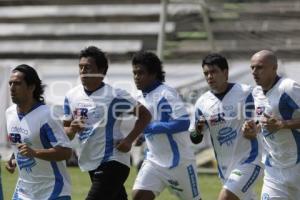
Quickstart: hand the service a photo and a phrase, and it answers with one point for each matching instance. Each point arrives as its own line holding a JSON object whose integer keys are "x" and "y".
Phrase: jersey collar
{"x": 151, "y": 88}
{"x": 91, "y": 92}
{"x": 21, "y": 115}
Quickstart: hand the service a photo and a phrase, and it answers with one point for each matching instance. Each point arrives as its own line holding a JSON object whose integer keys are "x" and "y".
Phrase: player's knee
{"x": 227, "y": 195}
{"x": 142, "y": 195}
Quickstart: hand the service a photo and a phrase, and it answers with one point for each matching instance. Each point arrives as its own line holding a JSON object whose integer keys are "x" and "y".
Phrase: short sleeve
{"x": 52, "y": 134}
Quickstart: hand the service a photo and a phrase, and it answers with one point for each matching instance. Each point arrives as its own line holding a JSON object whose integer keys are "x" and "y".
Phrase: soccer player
{"x": 277, "y": 103}
{"x": 222, "y": 111}
{"x": 169, "y": 161}
{"x": 93, "y": 113}
{"x": 39, "y": 143}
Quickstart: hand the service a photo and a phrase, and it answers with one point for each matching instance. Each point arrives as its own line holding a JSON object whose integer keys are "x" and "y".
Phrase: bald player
{"x": 277, "y": 102}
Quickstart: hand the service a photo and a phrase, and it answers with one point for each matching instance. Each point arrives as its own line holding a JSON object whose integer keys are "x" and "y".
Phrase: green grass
{"x": 209, "y": 185}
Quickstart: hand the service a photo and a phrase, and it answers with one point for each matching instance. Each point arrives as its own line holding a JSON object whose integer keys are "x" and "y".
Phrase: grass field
{"x": 209, "y": 185}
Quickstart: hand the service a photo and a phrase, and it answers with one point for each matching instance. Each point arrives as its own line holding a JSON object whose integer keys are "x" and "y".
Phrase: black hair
{"x": 215, "y": 60}
{"x": 99, "y": 56}
{"x": 151, "y": 62}
{"x": 31, "y": 77}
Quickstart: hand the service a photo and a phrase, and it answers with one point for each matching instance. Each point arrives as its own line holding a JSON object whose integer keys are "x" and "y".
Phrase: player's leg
{"x": 183, "y": 181}
{"x": 241, "y": 182}
{"x": 108, "y": 181}
{"x": 281, "y": 184}
{"x": 149, "y": 182}
{"x": 225, "y": 194}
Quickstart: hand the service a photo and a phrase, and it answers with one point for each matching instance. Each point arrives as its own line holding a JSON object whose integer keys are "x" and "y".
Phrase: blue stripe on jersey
{"x": 175, "y": 150}
{"x": 47, "y": 136}
{"x": 267, "y": 162}
{"x": 296, "y": 135}
{"x": 165, "y": 110}
{"x": 249, "y": 107}
{"x": 287, "y": 106}
{"x": 63, "y": 198}
{"x": 253, "y": 152}
{"x": 117, "y": 104}
{"x": 252, "y": 179}
{"x": 193, "y": 180}
{"x": 67, "y": 109}
{"x": 46, "y": 129}
{"x": 219, "y": 169}
{"x": 199, "y": 114}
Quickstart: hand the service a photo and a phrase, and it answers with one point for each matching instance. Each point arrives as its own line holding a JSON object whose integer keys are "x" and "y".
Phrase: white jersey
{"x": 224, "y": 119}
{"x": 166, "y": 150}
{"x": 38, "y": 179}
{"x": 283, "y": 102}
{"x": 101, "y": 111}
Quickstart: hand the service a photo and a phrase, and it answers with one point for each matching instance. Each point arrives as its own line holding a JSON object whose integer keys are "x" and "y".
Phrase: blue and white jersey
{"x": 224, "y": 119}
{"x": 102, "y": 111}
{"x": 283, "y": 102}
{"x": 167, "y": 138}
{"x": 38, "y": 179}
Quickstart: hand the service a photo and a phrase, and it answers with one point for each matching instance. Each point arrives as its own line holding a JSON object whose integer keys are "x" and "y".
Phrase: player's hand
{"x": 271, "y": 123}
{"x": 25, "y": 150}
{"x": 140, "y": 140}
{"x": 199, "y": 126}
{"x": 124, "y": 145}
{"x": 11, "y": 165}
{"x": 77, "y": 125}
{"x": 250, "y": 129}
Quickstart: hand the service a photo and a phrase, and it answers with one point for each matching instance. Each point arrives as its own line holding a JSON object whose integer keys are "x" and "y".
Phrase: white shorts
{"x": 242, "y": 180}
{"x": 281, "y": 184}
{"x": 181, "y": 180}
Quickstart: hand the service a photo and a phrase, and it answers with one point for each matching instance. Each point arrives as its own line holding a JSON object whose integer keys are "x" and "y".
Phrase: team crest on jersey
{"x": 226, "y": 135}
{"x": 81, "y": 112}
{"x": 260, "y": 110}
{"x": 265, "y": 196}
{"x": 217, "y": 119}
{"x": 15, "y": 138}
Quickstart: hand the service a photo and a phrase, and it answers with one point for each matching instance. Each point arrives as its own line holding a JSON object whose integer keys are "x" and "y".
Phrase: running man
{"x": 222, "y": 111}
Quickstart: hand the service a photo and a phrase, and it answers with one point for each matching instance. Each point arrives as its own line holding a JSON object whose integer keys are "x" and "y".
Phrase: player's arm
{"x": 143, "y": 119}
{"x": 71, "y": 125}
{"x": 272, "y": 124}
{"x": 10, "y": 165}
{"x": 250, "y": 129}
{"x": 171, "y": 127}
{"x": 196, "y": 135}
{"x": 57, "y": 153}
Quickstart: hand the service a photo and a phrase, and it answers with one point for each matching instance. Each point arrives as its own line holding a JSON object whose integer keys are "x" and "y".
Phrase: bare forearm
{"x": 53, "y": 154}
{"x": 291, "y": 124}
{"x": 144, "y": 117}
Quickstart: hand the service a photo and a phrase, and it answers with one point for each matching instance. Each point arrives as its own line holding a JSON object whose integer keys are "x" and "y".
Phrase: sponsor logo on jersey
{"x": 217, "y": 119}
{"x": 226, "y": 135}
{"x": 16, "y": 129}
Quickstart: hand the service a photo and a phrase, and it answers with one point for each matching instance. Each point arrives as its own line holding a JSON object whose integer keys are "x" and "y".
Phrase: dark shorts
{"x": 108, "y": 182}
